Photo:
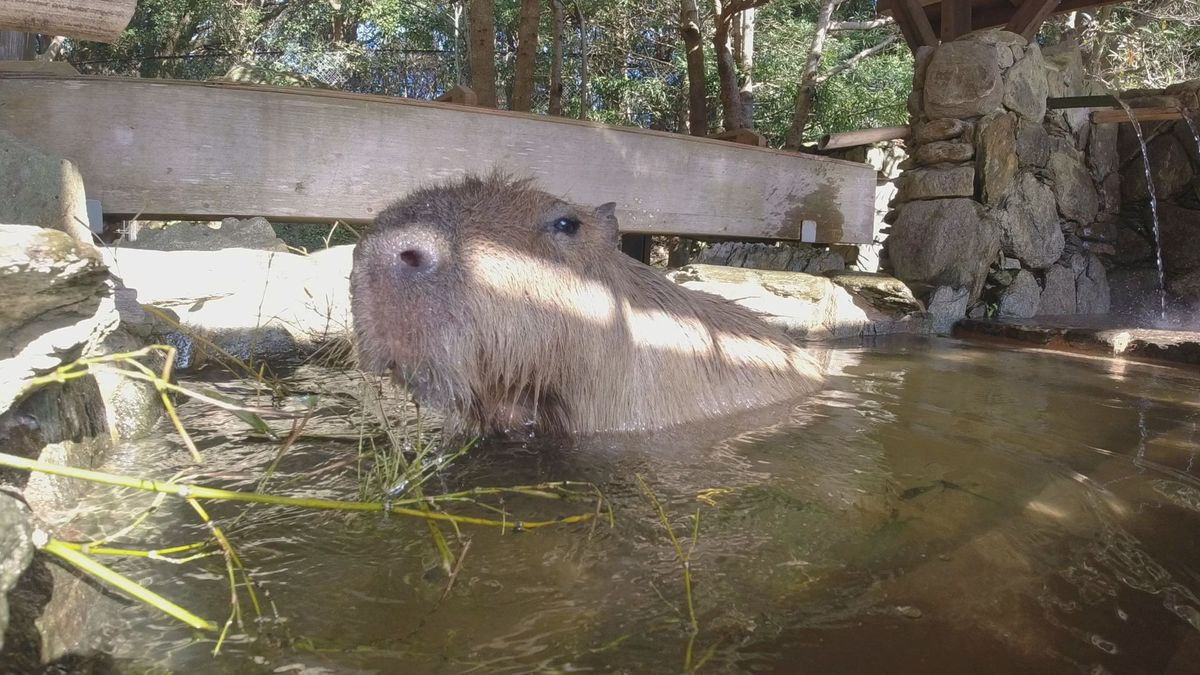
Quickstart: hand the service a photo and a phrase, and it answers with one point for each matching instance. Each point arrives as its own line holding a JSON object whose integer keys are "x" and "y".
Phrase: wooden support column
{"x": 1030, "y": 16}
{"x": 636, "y": 246}
{"x": 16, "y": 46}
{"x": 956, "y": 19}
{"x": 914, "y": 24}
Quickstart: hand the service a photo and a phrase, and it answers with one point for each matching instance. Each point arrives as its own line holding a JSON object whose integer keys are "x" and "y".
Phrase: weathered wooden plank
{"x": 915, "y": 15}
{"x": 1142, "y": 115}
{"x": 17, "y": 46}
{"x": 100, "y": 20}
{"x": 164, "y": 148}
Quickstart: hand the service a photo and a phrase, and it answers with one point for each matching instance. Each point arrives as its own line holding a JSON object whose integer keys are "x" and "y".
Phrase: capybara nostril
{"x": 413, "y": 258}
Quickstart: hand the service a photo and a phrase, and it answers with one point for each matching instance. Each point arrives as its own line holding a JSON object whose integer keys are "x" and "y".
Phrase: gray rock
{"x": 1029, "y": 225}
{"x": 1132, "y": 290}
{"x": 254, "y": 233}
{"x": 805, "y": 306}
{"x": 16, "y": 550}
{"x": 1073, "y": 187}
{"x": 1020, "y": 299}
{"x": 1025, "y": 87}
{"x": 37, "y": 189}
{"x": 942, "y": 243}
{"x": 943, "y": 151}
{"x": 58, "y": 304}
{"x": 1170, "y": 169}
{"x": 1091, "y": 287}
{"x": 946, "y": 306}
{"x": 931, "y": 183}
{"x": 996, "y": 36}
{"x": 1033, "y": 144}
{"x": 962, "y": 80}
{"x": 940, "y": 130}
{"x": 1102, "y": 151}
{"x": 884, "y": 292}
{"x": 1180, "y": 229}
{"x": 784, "y": 257}
{"x": 1058, "y": 296}
{"x": 308, "y": 297}
{"x": 1186, "y": 92}
{"x": 996, "y": 161}
{"x": 1067, "y": 60}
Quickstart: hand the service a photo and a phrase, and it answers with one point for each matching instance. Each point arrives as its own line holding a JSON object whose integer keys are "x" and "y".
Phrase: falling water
{"x": 1185, "y": 113}
{"x": 1158, "y": 255}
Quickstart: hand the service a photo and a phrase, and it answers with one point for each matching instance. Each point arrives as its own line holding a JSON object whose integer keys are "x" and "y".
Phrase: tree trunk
{"x": 689, "y": 26}
{"x": 456, "y": 13}
{"x": 744, "y": 53}
{"x": 527, "y": 36}
{"x": 731, "y": 98}
{"x": 584, "y": 97}
{"x": 482, "y": 53}
{"x": 556, "y": 57}
{"x": 808, "y": 84}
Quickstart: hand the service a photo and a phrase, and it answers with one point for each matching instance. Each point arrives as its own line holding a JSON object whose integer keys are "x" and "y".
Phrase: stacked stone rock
{"x": 1174, "y": 155}
{"x": 998, "y": 211}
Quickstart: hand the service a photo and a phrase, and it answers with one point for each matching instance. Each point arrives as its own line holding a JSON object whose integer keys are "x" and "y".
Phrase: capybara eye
{"x": 567, "y": 225}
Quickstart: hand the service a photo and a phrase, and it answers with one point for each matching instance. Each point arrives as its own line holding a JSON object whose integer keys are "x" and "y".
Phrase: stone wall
{"x": 1001, "y": 200}
{"x": 1174, "y": 156}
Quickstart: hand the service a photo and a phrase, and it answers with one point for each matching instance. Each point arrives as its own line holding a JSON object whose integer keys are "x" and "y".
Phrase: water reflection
{"x": 939, "y": 507}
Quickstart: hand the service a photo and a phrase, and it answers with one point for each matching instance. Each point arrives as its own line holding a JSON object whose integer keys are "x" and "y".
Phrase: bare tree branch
{"x": 862, "y": 25}
{"x": 854, "y": 60}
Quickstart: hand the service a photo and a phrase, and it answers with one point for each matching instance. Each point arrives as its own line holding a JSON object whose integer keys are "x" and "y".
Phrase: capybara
{"x": 509, "y": 309}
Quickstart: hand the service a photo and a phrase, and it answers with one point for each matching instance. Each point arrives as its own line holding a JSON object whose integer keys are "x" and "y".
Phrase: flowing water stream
{"x": 939, "y": 507}
{"x": 1158, "y": 254}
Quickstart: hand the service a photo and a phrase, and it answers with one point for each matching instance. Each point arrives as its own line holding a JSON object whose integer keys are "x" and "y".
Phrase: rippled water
{"x": 939, "y": 508}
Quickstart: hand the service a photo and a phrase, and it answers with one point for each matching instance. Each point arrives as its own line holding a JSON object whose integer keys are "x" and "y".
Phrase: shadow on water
{"x": 937, "y": 508}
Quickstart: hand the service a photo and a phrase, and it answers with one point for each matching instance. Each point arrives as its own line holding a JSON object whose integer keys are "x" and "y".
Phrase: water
{"x": 939, "y": 508}
{"x": 1158, "y": 254}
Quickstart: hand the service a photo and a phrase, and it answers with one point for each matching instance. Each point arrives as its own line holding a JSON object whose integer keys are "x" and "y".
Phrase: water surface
{"x": 939, "y": 508}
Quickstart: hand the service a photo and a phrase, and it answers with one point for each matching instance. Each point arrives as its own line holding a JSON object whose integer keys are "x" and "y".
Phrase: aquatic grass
{"x": 397, "y": 484}
{"x": 690, "y": 663}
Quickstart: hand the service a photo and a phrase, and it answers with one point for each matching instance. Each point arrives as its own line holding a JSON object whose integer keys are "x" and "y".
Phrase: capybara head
{"x": 510, "y": 309}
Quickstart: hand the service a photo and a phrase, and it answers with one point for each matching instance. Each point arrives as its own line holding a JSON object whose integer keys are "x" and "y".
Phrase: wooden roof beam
{"x": 914, "y": 24}
{"x": 1030, "y": 16}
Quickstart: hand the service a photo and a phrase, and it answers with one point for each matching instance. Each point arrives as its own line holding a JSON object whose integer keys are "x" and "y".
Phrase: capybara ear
{"x": 606, "y": 220}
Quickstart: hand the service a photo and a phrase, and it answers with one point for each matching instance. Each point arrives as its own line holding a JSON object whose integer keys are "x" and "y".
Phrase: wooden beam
{"x": 207, "y": 150}
{"x": 1030, "y": 16}
{"x": 1142, "y": 115}
{"x": 849, "y": 139}
{"x": 956, "y": 19}
{"x": 984, "y": 13}
{"x": 99, "y": 20}
{"x": 914, "y": 15}
{"x": 459, "y": 94}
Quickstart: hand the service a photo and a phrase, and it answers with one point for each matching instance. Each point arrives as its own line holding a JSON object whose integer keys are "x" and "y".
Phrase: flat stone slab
{"x": 1103, "y": 335}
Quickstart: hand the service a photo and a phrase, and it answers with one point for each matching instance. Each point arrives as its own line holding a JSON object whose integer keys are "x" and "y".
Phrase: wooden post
{"x": 15, "y": 46}
{"x": 99, "y": 20}
{"x": 636, "y": 246}
{"x": 1141, "y": 114}
{"x": 849, "y": 139}
{"x": 956, "y": 19}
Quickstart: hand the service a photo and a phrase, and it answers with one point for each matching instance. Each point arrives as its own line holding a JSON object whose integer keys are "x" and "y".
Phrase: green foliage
{"x": 634, "y": 51}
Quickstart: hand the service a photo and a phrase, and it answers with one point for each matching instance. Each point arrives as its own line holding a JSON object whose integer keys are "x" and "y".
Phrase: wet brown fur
{"x": 523, "y": 325}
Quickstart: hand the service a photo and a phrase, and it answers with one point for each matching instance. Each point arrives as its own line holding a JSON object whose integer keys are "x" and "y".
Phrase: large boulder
{"x": 996, "y": 158}
{"x": 1170, "y": 168}
{"x": 937, "y": 183}
{"x": 1029, "y": 224}
{"x": 37, "y": 189}
{"x": 1073, "y": 186}
{"x": 809, "y": 307}
{"x": 1180, "y": 231}
{"x": 1020, "y": 299}
{"x": 1092, "y": 295}
{"x": 1025, "y": 86}
{"x": 1058, "y": 295}
{"x": 962, "y": 80}
{"x": 942, "y": 243}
